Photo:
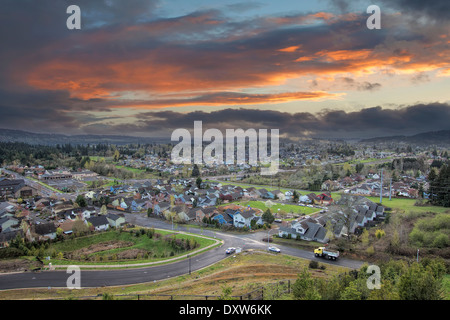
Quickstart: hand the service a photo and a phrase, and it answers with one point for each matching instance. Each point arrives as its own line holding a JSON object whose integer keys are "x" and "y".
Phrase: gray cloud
{"x": 434, "y": 9}
{"x": 368, "y": 122}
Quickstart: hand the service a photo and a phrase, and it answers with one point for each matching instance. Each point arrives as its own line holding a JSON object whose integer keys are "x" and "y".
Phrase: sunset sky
{"x": 147, "y": 67}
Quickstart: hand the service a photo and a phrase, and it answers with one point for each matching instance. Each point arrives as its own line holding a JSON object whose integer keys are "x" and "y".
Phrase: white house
{"x": 100, "y": 223}
{"x": 115, "y": 220}
{"x": 304, "y": 199}
{"x": 243, "y": 219}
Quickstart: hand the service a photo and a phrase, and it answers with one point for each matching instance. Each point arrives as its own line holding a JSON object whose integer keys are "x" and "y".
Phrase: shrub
{"x": 370, "y": 250}
{"x": 441, "y": 241}
{"x": 7, "y": 253}
{"x": 313, "y": 264}
{"x": 379, "y": 233}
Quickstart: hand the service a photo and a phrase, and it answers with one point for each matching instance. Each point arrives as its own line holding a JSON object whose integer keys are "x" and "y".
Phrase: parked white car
{"x": 230, "y": 250}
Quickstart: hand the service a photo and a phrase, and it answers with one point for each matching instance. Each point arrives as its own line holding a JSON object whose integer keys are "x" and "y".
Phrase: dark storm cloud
{"x": 435, "y": 9}
{"x": 367, "y": 122}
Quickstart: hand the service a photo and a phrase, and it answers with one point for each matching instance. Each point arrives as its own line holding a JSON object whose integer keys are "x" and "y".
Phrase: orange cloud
{"x": 230, "y": 99}
{"x": 217, "y": 65}
{"x": 290, "y": 49}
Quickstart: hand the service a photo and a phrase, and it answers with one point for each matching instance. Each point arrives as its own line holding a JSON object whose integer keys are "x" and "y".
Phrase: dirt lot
{"x": 18, "y": 265}
{"x": 99, "y": 247}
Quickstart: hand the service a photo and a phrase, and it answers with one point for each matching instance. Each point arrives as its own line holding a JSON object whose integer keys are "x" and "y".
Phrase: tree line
{"x": 439, "y": 188}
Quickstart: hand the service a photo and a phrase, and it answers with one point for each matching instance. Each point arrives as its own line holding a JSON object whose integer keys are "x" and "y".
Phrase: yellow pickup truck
{"x": 324, "y": 253}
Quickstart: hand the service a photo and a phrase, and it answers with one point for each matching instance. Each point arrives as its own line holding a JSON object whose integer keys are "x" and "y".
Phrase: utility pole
{"x": 390, "y": 190}
{"x": 189, "y": 264}
{"x": 381, "y": 186}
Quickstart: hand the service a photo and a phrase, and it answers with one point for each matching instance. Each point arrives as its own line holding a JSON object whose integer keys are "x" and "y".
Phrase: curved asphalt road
{"x": 99, "y": 278}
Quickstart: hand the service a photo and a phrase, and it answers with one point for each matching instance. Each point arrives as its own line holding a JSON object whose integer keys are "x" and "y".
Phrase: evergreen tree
{"x": 195, "y": 171}
{"x": 268, "y": 216}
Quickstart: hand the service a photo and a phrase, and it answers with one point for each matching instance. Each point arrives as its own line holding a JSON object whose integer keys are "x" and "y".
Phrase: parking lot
{"x": 66, "y": 184}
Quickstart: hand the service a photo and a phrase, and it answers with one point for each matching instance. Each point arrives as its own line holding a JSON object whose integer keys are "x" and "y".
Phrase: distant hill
{"x": 438, "y": 137}
{"x": 7, "y": 135}
{"x": 441, "y": 137}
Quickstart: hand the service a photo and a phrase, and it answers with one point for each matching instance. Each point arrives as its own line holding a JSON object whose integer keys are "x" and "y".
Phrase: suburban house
{"x": 181, "y": 212}
{"x": 288, "y": 195}
{"x": 313, "y": 198}
{"x": 86, "y": 213}
{"x": 67, "y": 226}
{"x": 305, "y": 199}
{"x": 115, "y": 220}
{"x": 6, "y": 237}
{"x": 251, "y": 193}
{"x": 263, "y": 193}
{"x": 243, "y": 218}
{"x": 307, "y": 229}
{"x": 362, "y": 215}
{"x": 160, "y": 207}
{"x": 137, "y": 205}
{"x": 100, "y": 223}
{"x": 224, "y": 218}
{"x": 8, "y": 223}
{"x": 194, "y": 214}
{"x": 207, "y": 212}
{"x": 325, "y": 199}
{"x": 45, "y": 231}
{"x": 330, "y": 185}
{"x": 363, "y": 189}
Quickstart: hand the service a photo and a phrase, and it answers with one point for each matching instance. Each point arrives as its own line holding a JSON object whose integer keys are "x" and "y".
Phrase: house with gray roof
{"x": 309, "y": 230}
{"x": 100, "y": 223}
{"x": 243, "y": 218}
{"x": 115, "y": 220}
{"x": 8, "y": 223}
{"x": 45, "y": 230}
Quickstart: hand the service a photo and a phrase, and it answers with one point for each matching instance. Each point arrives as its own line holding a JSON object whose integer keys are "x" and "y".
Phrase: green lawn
{"x": 139, "y": 173}
{"x": 408, "y": 205}
{"x": 157, "y": 249}
{"x": 108, "y": 183}
{"x": 288, "y": 208}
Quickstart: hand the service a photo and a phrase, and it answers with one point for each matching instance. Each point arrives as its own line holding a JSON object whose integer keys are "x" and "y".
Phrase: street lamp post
{"x": 189, "y": 264}
{"x": 268, "y": 239}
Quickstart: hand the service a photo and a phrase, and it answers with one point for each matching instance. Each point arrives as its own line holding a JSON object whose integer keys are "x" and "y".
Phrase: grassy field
{"x": 287, "y": 208}
{"x": 407, "y": 205}
{"x": 107, "y": 248}
{"x": 105, "y": 183}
